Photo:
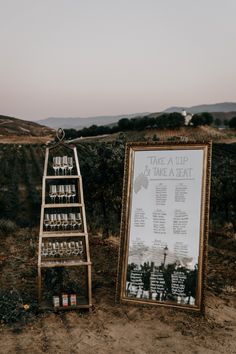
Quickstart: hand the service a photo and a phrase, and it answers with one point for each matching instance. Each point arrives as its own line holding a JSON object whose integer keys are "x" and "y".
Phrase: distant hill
{"x": 79, "y": 123}
{"x": 10, "y": 126}
{"x": 218, "y": 107}
{"x": 225, "y": 110}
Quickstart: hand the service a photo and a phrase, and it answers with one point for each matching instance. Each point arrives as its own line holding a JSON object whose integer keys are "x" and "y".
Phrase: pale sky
{"x": 105, "y": 57}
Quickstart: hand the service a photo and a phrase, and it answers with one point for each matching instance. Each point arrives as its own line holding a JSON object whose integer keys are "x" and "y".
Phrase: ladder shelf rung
{"x": 48, "y": 264}
{"x": 74, "y": 234}
{"x": 61, "y": 205}
{"x": 62, "y": 177}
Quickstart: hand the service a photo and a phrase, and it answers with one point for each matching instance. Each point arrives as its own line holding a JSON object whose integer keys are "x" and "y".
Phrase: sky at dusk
{"x": 78, "y": 58}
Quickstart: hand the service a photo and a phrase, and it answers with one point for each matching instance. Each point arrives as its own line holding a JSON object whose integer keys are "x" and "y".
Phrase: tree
{"x": 207, "y": 118}
{"x": 218, "y": 122}
{"x": 204, "y": 118}
{"x": 71, "y": 133}
{"x": 124, "y": 124}
{"x": 161, "y": 121}
{"x": 226, "y": 122}
{"x": 197, "y": 120}
{"x": 232, "y": 123}
{"x": 175, "y": 120}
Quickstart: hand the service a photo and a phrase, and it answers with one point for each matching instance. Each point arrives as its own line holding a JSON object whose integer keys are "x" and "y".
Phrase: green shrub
{"x": 11, "y": 306}
{"x": 7, "y": 227}
{"x": 16, "y": 308}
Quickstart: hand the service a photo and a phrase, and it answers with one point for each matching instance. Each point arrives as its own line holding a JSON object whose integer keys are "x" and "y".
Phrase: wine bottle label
{"x": 73, "y": 300}
{"x": 64, "y": 300}
{"x": 56, "y": 301}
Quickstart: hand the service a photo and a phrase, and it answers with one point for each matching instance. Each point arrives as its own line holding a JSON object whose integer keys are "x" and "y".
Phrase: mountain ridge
{"x": 81, "y": 122}
{"x": 224, "y": 108}
{"x": 214, "y": 107}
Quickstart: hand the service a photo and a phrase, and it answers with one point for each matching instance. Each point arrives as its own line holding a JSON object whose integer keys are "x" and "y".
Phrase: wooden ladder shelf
{"x": 63, "y": 236}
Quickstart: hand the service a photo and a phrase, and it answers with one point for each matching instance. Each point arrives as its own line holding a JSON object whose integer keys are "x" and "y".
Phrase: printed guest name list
{"x": 166, "y": 202}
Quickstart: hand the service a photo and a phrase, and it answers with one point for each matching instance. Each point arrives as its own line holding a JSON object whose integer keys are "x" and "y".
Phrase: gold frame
{"x": 131, "y": 148}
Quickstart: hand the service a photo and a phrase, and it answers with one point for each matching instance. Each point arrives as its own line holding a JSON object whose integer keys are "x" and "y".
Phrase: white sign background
{"x": 167, "y": 183}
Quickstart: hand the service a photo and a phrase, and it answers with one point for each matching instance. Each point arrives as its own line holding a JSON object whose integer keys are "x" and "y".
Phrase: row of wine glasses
{"x": 62, "y": 221}
{"x": 62, "y": 249}
{"x": 62, "y": 191}
{"x": 62, "y": 165}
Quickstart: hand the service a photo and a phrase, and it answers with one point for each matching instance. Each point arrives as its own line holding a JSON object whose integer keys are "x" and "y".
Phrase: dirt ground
{"x": 110, "y": 328}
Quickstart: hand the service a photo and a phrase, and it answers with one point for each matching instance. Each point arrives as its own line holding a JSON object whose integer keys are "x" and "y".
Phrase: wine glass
{"x": 58, "y": 221}
{"x": 61, "y": 192}
{"x": 70, "y": 164}
{"x": 53, "y": 218}
{"x": 72, "y": 220}
{"x": 78, "y": 219}
{"x": 76, "y": 250}
{"x": 50, "y": 248}
{"x": 64, "y": 218}
{"x": 68, "y": 192}
{"x": 46, "y": 221}
{"x": 73, "y": 247}
{"x": 53, "y": 249}
{"x": 64, "y": 164}
{"x": 81, "y": 247}
{"x": 53, "y": 193}
{"x": 69, "y": 250}
{"x": 61, "y": 252}
{"x": 57, "y": 248}
{"x": 69, "y": 220}
{"x": 56, "y": 164}
{"x": 73, "y": 192}
{"x": 64, "y": 248}
{"x": 44, "y": 250}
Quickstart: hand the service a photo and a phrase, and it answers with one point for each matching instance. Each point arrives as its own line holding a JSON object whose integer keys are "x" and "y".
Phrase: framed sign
{"x": 164, "y": 227}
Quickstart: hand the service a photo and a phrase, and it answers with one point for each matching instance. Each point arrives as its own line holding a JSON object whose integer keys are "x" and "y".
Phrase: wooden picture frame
{"x": 164, "y": 225}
